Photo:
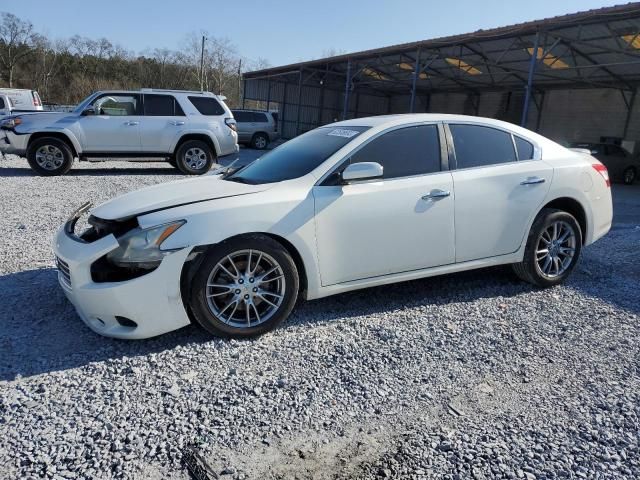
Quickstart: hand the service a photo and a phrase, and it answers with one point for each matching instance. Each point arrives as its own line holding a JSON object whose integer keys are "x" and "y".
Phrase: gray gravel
{"x": 472, "y": 375}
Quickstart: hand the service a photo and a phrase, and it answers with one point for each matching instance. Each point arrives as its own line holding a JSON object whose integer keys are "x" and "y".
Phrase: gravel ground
{"x": 472, "y": 375}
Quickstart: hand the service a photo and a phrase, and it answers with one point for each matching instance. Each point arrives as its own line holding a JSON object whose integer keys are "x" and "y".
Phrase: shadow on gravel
{"x": 40, "y": 331}
{"x": 161, "y": 169}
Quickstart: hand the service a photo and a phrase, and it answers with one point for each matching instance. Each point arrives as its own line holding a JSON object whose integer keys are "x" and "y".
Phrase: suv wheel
{"x": 244, "y": 287}
{"x": 194, "y": 157}
{"x": 50, "y": 156}
{"x": 553, "y": 249}
{"x": 629, "y": 176}
{"x": 260, "y": 141}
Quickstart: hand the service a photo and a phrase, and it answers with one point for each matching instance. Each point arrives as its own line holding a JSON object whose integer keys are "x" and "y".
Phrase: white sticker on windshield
{"x": 341, "y": 132}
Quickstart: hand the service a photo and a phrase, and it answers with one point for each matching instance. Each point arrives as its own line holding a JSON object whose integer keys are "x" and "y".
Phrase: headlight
{"x": 10, "y": 122}
{"x": 141, "y": 248}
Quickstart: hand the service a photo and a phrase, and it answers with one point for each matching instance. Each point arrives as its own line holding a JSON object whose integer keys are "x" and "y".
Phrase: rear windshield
{"x": 298, "y": 156}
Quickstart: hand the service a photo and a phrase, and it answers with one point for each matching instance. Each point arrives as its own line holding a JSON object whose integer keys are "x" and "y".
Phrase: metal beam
{"x": 416, "y": 72}
{"x": 532, "y": 70}
{"x": 347, "y": 87}
{"x": 299, "y": 102}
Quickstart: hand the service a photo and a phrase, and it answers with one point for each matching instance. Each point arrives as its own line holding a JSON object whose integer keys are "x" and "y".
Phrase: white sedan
{"x": 351, "y": 205}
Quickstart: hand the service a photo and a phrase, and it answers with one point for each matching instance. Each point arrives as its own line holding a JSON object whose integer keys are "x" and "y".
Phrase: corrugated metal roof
{"x": 588, "y": 46}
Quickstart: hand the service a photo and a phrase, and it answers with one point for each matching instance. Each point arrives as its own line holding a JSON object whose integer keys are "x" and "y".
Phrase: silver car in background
{"x": 256, "y": 128}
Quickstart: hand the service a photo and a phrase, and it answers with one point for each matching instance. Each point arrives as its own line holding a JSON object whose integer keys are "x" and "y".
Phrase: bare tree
{"x": 16, "y": 38}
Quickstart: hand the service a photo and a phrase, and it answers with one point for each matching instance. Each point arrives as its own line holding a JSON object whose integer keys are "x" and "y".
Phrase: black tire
{"x": 530, "y": 269}
{"x": 203, "y": 296}
{"x": 260, "y": 141}
{"x": 629, "y": 176}
{"x": 58, "y": 156}
{"x": 194, "y": 157}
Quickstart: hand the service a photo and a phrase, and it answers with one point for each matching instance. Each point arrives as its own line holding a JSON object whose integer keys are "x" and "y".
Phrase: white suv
{"x": 190, "y": 129}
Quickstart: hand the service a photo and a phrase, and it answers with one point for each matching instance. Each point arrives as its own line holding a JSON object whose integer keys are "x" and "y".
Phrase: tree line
{"x": 64, "y": 71}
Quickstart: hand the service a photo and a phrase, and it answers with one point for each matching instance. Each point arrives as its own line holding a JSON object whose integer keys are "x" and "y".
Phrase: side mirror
{"x": 88, "y": 111}
{"x": 362, "y": 171}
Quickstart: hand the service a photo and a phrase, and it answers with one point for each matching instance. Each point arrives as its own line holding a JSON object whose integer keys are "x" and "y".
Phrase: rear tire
{"x": 49, "y": 156}
{"x": 553, "y": 249}
{"x": 194, "y": 157}
{"x": 253, "y": 274}
{"x": 260, "y": 141}
{"x": 629, "y": 176}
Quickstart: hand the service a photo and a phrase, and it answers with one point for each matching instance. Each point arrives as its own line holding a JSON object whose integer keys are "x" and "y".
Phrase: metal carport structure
{"x": 503, "y": 73}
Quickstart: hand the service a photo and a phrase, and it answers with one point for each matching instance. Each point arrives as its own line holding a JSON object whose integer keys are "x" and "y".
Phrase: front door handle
{"x": 131, "y": 124}
{"x": 436, "y": 194}
{"x": 177, "y": 123}
{"x": 532, "y": 181}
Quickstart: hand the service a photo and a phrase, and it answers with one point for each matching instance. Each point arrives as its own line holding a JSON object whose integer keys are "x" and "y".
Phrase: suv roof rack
{"x": 174, "y": 91}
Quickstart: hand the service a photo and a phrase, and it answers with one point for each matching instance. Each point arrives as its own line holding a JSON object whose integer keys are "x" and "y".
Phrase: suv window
{"x": 479, "y": 146}
{"x": 242, "y": 117}
{"x": 404, "y": 152}
{"x": 524, "y": 148}
{"x": 259, "y": 117}
{"x": 2, "y": 102}
{"x": 161, "y": 105}
{"x": 207, "y": 105}
{"x": 117, "y": 104}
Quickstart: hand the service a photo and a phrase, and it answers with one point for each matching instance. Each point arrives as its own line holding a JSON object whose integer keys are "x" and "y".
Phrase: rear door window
{"x": 2, "y": 105}
{"x": 259, "y": 117}
{"x": 159, "y": 105}
{"x": 480, "y": 146}
{"x": 207, "y": 106}
{"x": 404, "y": 152}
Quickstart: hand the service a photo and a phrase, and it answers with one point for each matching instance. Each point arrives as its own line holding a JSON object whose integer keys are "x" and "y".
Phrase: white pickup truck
{"x": 17, "y": 100}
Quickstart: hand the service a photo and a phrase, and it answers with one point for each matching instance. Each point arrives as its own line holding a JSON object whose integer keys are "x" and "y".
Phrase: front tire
{"x": 194, "y": 157}
{"x": 244, "y": 287}
{"x": 629, "y": 176}
{"x": 50, "y": 156}
{"x": 553, "y": 249}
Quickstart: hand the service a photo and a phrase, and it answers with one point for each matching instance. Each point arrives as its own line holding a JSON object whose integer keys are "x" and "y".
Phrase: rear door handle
{"x": 131, "y": 124}
{"x": 177, "y": 123}
{"x": 436, "y": 194}
{"x": 532, "y": 181}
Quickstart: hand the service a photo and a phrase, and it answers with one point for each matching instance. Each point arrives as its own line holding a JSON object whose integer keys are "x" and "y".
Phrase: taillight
{"x": 602, "y": 170}
{"x": 36, "y": 99}
{"x": 231, "y": 123}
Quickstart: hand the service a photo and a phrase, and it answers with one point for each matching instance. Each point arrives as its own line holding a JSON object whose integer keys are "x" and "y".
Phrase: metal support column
{"x": 299, "y": 101}
{"x": 532, "y": 69}
{"x": 244, "y": 91}
{"x": 539, "y": 118}
{"x": 627, "y": 120}
{"x": 284, "y": 105}
{"x": 416, "y": 73}
{"x": 347, "y": 88}
{"x": 268, "y": 93}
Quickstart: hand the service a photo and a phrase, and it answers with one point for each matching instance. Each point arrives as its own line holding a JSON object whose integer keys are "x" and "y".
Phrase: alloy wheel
{"x": 260, "y": 142}
{"x": 245, "y": 288}
{"x": 195, "y": 158}
{"x": 555, "y": 249}
{"x": 49, "y": 157}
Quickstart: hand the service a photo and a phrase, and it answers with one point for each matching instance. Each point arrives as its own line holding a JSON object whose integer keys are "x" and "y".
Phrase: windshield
{"x": 298, "y": 156}
{"x": 84, "y": 103}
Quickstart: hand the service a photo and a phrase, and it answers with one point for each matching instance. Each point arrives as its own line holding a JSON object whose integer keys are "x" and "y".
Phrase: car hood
{"x": 172, "y": 194}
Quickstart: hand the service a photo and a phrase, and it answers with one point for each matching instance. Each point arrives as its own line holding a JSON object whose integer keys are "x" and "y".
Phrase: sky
{"x": 281, "y": 31}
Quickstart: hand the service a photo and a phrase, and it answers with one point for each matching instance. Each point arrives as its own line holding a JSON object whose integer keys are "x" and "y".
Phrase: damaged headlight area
{"x": 139, "y": 252}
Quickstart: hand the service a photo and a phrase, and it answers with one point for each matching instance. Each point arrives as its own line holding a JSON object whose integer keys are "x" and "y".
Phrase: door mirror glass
{"x": 362, "y": 171}
{"x": 88, "y": 111}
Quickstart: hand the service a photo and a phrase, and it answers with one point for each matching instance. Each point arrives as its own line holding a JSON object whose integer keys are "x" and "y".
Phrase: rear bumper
{"x": 152, "y": 301}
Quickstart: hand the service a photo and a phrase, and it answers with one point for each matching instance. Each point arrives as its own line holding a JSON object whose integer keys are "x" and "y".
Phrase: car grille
{"x": 64, "y": 273}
